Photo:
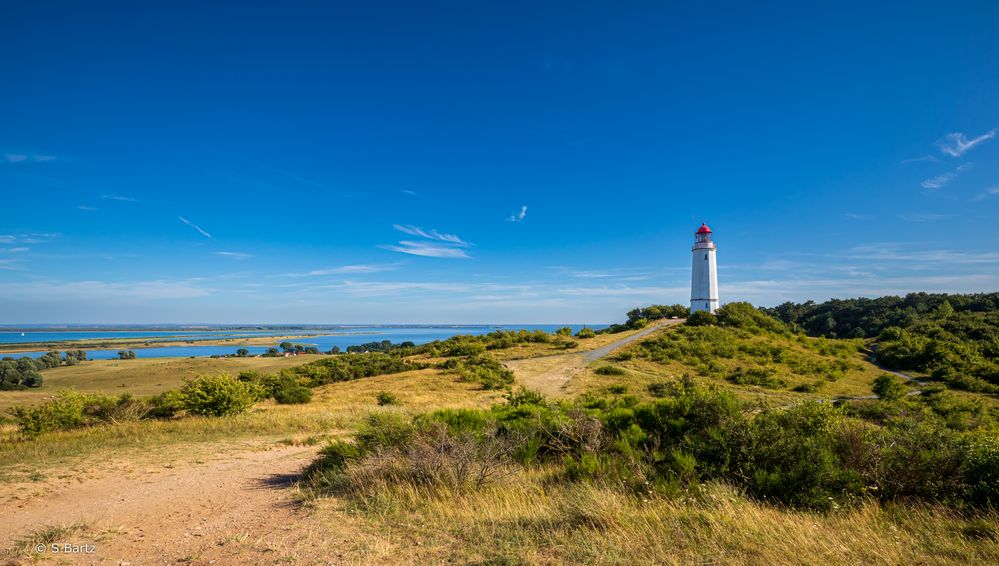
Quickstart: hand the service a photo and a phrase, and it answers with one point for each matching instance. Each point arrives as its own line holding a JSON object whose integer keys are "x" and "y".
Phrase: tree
{"x": 335, "y": 350}
{"x": 242, "y": 353}
{"x": 287, "y": 346}
{"x": 217, "y": 395}
{"x": 126, "y": 355}
{"x": 702, "y": 318}
{"x": 888, "y": 387}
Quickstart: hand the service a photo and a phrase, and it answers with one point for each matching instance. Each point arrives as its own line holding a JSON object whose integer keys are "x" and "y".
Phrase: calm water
{"x": 342, "y": 339}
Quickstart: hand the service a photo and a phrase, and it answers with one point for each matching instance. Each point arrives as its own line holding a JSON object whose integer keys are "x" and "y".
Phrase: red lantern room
{"x": 703, "y": 234}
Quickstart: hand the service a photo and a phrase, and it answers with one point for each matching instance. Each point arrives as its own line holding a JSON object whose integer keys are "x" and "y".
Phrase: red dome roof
{"x": 704, "y": 229}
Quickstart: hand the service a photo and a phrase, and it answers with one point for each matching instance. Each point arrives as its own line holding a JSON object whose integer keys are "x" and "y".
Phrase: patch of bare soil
{"x": 240, "y": 508}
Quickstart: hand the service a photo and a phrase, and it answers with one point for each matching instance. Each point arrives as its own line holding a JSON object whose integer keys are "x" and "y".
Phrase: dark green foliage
{"x": 482, "y": 369}
{"x": 609, "y": 370}
{"x": 566, "y": 343}
{"x": 811, "y": 455}
{"x": 617, "y": 389}
{"x": 793, "y": 458}
{"x": 981, "y": 467}
{"x": 747, "y": 317}
{"x": 70, "y": 409}
{"x": 290, "y": 393}
{"x": 348, "y": 367}
{"x": 760, "y": 375}
{"x": 50, "y": 360}
{"x": 242, "y": 353}
{"x": 585, "y": 333}
{"x": 386, "y": 398}
{"x": 382, "y": 346}
{"x": 126, "y": 355}
{"x": 217, "y": 395}
{"x": 888, "y": 387}
{"x": 702, "y": 318}
{"x": 166, "y": 405}
{"x": 19, "y": 374}
{"x": 955, "y": 338}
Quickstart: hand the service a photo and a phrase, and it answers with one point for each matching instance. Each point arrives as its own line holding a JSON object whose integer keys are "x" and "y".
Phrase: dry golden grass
{"x": 140, "y": 377}
{"x": 335, "y": 409}
{"x": 525, "y": 519}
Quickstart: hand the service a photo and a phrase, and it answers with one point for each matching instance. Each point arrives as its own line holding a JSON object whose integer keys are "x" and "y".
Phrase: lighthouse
{"x": 703, "y": 273}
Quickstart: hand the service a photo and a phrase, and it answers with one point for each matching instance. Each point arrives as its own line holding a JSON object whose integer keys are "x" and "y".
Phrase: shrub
{"x": 217, "y": 395}
{"x": 981, "y": 468}
{"x": 617, "y": 389}
{"x": 566, "y": 343}
{"x": 290, "y": 393}
{"x": 702, "y": 318}
{"x": 585, "y": 333}
{"x": 71, "y": 409}
{"x": 166, "y": 405}
{"x": 609, "y": 370}
{"x": 386, "y": 398}
{"x": 482, "y": 369}
{"x": 761, "y": 376}
{"x": 888, "y": 387}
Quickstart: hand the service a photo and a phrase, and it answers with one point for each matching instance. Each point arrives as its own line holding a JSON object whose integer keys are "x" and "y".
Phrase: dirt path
{"x": 236, "y": 508}
{"x": 549, "y": 374}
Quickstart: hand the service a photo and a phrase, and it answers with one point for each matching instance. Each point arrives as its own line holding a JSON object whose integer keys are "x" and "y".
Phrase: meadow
{"x": 464, "y": 491}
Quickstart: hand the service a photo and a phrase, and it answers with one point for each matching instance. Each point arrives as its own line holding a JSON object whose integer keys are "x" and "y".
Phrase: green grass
{"x": 140, "y": 377}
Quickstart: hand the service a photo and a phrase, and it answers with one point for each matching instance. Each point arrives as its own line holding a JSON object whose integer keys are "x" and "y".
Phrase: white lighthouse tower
{"x": 703, "y": 273}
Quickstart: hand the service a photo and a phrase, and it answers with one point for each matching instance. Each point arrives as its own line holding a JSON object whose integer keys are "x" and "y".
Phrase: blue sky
{"x": 507, "y": 162}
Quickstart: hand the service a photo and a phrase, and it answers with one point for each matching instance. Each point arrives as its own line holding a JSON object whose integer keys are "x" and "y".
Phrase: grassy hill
{"x": 694, "y": 443}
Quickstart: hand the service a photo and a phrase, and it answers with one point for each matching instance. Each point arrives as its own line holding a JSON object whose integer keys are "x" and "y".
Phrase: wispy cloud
{"x": 85, "y": 207}
{"x": 518, "y": 216}
{"x": 858, "y": 217}
{"x": 233, "y": 255}
{"x": 118, "y": 198}
{"x": 196, "y": 227}
{"x": 432, "y": 234}
{"x": 428, "y": 249}
{"x": 941, "y": 180}
{"x": 987, "y": 193}
{"x": 27, "y": 157}
{"x": 29, "y": 238}
{"x": 956, "y": 144}
{"x": 410, "y": 193}
{"x": 347, "y": 269}
{"x": 155, "y": 290}
{"x": 440, "y": 245}
{"x": 14, "y": 250}
{"x": 924, "y": 217}
{"x": 930, "y": 158}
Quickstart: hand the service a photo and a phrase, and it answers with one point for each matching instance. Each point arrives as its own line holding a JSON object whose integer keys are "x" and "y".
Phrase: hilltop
{"x": 734, "y": 438}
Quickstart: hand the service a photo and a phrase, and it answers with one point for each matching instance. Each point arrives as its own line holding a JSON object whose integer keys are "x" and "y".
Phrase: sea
{"x": 322, "y": 339}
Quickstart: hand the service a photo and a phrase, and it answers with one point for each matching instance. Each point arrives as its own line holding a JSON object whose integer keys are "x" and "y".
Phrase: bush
{"x": 71, "y": 409}
{"x": 981, "y": 468}
{"x": 702, "y": 318}
{"x": 585, "y": 333}
{"x": 609, "y": 370}
{"x": 290, "y": 393}
{"x": 386, "y": 398}
{"x": 761, "y": 376}
{"x": 482, "y": 369}
{"x": 888, "y": 387}
{"x": 217, "y": 395}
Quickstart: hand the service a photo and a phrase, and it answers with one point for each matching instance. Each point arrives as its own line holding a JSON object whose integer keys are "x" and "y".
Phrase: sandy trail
{"x": 549, "y": 375}
{"x": 236, "y": 508}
